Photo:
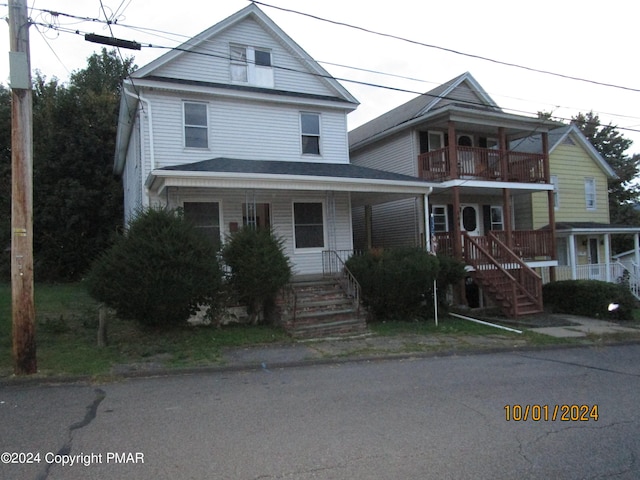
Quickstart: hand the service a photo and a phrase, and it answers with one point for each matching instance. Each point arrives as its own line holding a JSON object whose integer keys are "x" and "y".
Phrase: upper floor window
{"x": 196, "y": 129}
{"x": 310, "y": 128}
{"x": 590, "y": 192}
{"x": 251, "y": 65}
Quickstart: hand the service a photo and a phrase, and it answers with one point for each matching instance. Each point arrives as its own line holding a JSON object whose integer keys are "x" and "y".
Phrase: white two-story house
{"x": 240, "y": 126}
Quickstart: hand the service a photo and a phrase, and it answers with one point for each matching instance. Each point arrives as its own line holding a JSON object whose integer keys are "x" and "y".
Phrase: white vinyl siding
{"x": 249, "y": 130}
{"x": 398, "y": 154}
{"x": 210, "y": 61}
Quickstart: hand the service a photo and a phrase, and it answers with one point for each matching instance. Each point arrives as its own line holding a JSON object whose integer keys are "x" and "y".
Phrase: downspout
{"x": 139, "y": 97}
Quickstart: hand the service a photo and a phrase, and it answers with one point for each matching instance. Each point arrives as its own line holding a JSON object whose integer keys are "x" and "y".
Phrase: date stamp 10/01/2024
{"x": 551, "y": 413}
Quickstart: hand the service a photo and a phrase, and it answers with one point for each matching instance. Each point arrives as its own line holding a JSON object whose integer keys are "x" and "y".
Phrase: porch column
{"x": 427, "y": 224}
{"x": 607, "y": 256}
{"x": 504, "y": 160}
{"x": 573, "y": 259}
{"x": 550, "y": 204}
{"x": 457, "y": 234}
{"x": 368, "y": 226}
{"x": 453, "y": 152}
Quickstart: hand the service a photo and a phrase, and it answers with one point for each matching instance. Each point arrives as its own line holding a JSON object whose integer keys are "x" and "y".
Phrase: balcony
{"x": 482, "y": 164}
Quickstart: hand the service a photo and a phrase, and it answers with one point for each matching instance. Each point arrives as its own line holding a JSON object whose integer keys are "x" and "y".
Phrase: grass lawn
{"x": 66, "y": 336}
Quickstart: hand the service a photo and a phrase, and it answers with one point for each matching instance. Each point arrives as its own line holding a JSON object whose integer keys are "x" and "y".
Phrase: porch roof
{"x": 584, "y": 228}
{"x": 371, "y": 186}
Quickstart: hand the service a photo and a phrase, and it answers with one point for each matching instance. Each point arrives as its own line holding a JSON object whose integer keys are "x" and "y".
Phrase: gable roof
{"x": 439, "y": 97}
{"x": 251, "y": 11}
{"x": 533, "y": 144}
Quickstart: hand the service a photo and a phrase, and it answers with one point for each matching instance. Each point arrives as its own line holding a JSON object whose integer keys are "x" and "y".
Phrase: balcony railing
{"x": 482, "y": 164}
{"x": 526, "y": 244}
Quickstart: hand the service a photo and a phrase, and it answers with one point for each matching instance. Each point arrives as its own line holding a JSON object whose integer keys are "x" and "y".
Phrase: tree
{"x": 623, "y": 191}
{"x": 77, "y": 202}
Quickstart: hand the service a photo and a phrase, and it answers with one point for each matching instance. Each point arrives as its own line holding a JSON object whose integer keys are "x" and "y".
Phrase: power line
{"x": 450, "y": 50}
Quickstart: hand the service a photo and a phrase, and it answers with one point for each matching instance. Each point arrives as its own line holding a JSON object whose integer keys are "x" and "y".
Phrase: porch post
{"x": 508, "y": 228}
{"x": 457, "y": 234}
{"x": 607, "y": 256}
{"x": 453, "y": 152}
{"x": 504, "y": 161}
{"x": 550, "y": 204}
{"x": 368, "y": 226}
{"x": 427, "y": 224}
{"x": 572, "y": 257}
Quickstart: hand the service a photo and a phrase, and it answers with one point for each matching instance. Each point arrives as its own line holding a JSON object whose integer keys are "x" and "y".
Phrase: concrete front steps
{"x": 323, "y": 309}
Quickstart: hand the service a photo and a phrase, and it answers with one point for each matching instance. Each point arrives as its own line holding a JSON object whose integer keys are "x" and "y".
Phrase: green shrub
{"x": 396, "y": 284}
{"x": 259, "y": 269}
{"x": 159, "y": 271}
{"x": 589, "y": 298}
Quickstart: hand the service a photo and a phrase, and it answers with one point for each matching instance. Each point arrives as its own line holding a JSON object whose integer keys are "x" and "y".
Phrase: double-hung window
{"x": 590, "y": 192}
{"x": 308, "y": 220}
{"x": 440, "y": 223}
{"x": 497, "y": 220}
{"x": 310, "y": 130}
{"x": 196, "y": 128}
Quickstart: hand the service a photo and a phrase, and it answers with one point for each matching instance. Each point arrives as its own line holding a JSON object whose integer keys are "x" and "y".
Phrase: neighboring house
{"x": 580, "y": 177}
{"x": 491, "y": 196}
{"x": 240, "y": 126}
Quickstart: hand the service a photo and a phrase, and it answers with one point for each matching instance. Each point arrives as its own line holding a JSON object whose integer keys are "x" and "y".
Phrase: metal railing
{"x": 333, "y": 265}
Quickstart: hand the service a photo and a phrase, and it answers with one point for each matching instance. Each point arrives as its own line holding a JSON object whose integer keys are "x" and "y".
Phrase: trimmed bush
{"x": 159, "y": 271}
{"x": 259, "y": 269}
{"x": 590, "y": 298}
{"x": 397, "y": 284}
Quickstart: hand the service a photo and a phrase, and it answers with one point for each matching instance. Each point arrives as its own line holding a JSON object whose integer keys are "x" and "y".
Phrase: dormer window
{"x": 251, "y": 65}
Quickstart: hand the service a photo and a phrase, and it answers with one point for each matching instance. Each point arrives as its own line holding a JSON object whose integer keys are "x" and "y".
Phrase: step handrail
{"x": 333, "y": 265}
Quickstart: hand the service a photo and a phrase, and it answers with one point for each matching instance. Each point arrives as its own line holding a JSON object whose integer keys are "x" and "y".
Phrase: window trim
{"x": 304, "y": 134}
{"x": 204, "y": 127}
{"x": 324, "y": 227}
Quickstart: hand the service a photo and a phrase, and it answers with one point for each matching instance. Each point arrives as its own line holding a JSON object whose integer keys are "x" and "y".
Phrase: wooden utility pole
{"x": 23, "y": 308}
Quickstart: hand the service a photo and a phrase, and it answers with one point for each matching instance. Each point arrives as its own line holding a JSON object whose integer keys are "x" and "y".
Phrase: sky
{"x": 592, "y": 40}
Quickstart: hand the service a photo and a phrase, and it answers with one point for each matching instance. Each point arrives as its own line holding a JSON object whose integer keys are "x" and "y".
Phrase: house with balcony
{"x": 495, "y": 192}
{"x": 240, "y": 126}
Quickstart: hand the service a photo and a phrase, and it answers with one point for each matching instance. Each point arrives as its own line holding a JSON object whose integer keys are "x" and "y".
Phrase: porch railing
{"x": 333, "y": 264}
{"x": 483, "y": 164}
{"x": 527, "y": 244}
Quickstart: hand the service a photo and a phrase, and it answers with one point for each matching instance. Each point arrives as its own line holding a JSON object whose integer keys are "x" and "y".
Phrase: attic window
{"x": 251, "y": 65}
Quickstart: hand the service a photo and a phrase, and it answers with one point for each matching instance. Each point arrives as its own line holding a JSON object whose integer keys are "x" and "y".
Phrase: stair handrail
{"x": 524, "y": 270}
{"x": 633, "y": 282}
{"x": 470, "y": 242}
{"x": 346, "y": 279}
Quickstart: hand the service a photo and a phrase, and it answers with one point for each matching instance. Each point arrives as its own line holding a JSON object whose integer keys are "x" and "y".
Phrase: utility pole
{"x": 22, "y": 291}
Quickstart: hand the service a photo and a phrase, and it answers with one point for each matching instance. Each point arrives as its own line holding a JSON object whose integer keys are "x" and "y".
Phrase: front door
{"x": 594, "y": 260}
{"x": 470, "y": 219}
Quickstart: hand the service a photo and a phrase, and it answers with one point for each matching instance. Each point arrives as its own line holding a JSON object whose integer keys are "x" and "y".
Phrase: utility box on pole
{"x": 22, "y": 286}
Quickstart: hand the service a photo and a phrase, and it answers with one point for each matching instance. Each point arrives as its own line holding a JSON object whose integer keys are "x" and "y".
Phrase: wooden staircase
{"x": 503, "y": 276}
{"x": 318, "y": 307}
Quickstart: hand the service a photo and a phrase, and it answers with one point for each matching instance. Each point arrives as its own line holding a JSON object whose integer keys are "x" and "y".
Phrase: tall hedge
{"x": 397, "y": 284}
{"x": 159, "y": 271}
{"x": 259, "y": 269}
{"x": 590, "y": 298}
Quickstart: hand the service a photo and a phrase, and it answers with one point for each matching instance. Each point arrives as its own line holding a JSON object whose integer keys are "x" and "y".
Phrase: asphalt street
{"x": 438, "y": 417}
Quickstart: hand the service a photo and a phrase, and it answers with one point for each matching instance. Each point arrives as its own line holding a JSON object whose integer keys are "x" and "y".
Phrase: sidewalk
{"x": 370, "y": 347}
